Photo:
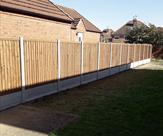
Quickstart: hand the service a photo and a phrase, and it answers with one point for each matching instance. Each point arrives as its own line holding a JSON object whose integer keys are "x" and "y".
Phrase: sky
{"x": 115, "y": 13}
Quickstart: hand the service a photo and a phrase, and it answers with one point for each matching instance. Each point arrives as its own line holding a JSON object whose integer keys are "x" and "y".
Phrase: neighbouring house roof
{"x": 160, "y": 29}
{"x": 127, "y": 27}
{"x": 77, "y": 17}
{"x": 37, "y": 8}
{"x": 107, "y": 33}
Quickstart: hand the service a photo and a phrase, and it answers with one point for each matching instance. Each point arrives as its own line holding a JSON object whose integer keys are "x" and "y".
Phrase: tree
{"x": 146, "y": 34}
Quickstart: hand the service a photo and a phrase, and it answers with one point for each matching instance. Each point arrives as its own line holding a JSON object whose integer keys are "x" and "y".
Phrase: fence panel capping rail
{"x": 48, "y": 67}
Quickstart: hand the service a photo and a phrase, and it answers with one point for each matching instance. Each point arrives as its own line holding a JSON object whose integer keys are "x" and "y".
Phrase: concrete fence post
{"x": 128, "y": 56}
{"x": 98, "y": 58}
{"x": 22, "y": 66}
{"x": 81, "y": 61}
{"x": 59, "y": 62}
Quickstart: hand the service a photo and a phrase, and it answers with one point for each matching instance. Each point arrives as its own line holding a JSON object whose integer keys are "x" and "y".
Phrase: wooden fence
{"x": 10, "y": 73}
{"x": 46, "y": 61}
{"x": 40, "y": 62}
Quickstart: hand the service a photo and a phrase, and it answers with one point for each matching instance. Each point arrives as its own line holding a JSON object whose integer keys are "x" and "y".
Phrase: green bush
{"x": 146, "y": 34}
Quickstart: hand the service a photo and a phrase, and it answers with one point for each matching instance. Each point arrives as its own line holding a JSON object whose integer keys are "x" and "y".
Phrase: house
{"x": 106, "y": 35}
{"x": 160, "y": 29}
{"x": 44, "y": 20}
{"x": 81, "y": 27}
{"x": 119, "y": 35}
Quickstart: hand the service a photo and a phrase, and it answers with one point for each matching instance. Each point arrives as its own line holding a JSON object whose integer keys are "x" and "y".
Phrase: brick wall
{"x": 15, "y": 25}
{"x": 88, "y": 36}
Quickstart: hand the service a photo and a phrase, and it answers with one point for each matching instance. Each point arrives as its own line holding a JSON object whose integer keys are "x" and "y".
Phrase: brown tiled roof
{"x": 127, "y": 27}
{"x": 107, "y": 33}
{"x": 37, "y": 8}
{"x": 76, "y": 16}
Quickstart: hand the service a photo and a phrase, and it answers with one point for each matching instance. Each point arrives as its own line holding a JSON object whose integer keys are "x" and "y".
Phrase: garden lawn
{"x": 127, "y": 104}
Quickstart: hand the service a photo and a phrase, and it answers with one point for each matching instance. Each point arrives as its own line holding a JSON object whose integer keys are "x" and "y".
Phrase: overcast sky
{"x": 115, "y": 13}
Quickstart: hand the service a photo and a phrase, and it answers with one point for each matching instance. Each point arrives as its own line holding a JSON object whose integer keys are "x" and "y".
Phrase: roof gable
{"x": 77, "y": 17}
{"x": 80, "y": 26}
{"x": 38, "y": 8}
{"x": 127, "y": 27}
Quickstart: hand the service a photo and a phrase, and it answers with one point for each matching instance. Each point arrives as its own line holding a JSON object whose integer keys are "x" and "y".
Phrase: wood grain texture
{"x": 10, "y": 78}
{"x": 105, "y": 56}
{"x": 124, "y": 58}
{"x": 90, "y": 57}
{"x": 70, "y": 59}
{"x": 137, "y": 49}
{"x": 131, "y": 57}
{"x": 116, "y": 54}
{"x": 40, "y": 62}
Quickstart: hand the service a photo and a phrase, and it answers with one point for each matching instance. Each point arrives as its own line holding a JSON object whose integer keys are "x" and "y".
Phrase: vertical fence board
{"x": 70, "y": 59}
{"x": 105, "y": 56}
{"x": 141, "y": 52}
{"x": 131, "y": 56}
{"x": 9, "y": 66}
{"x": 116, "y": 54}
{"x": 40, "y": 62}
{"x": 136, "y": 52}
{"x": 124, "y": 59}
{"x": 90, "y": 57}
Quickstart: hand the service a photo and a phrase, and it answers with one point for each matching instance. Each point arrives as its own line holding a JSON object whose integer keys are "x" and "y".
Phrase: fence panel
{"x": 10, "y": 78}
{"x": 116, "y": 54}
{"x": 128, "y": 53}
{"x": 70, "y": 59}
{"x": 124, "y": 58}
{"x": 137, "y": 53}
{"x": 90, "y": 57}
{"x": 104, "y": 56}
{"x": 40, "y": 62}
{"x": 131, "y": 56}
{"x": 146, "y": 51}
{"x": 142, "y": 52}
{"x": 149, "y": 51}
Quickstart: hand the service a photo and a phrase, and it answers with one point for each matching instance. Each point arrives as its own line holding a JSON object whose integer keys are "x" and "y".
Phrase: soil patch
{"x": 35, "y": 119}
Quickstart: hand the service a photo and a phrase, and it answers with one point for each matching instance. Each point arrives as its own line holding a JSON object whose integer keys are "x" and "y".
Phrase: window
{"x": 80, "y": 37}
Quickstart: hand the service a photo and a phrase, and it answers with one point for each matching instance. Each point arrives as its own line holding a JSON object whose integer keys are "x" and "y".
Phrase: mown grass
{"x": 128, "y": 104}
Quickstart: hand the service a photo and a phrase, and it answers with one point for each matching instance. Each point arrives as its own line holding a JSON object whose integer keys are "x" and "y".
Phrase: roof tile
{"x": 76, "y": 16}
{"x": 35, "y": 7}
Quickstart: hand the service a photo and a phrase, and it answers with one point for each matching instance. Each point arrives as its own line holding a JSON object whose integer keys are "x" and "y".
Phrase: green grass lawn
{"x": 128, "y": 104}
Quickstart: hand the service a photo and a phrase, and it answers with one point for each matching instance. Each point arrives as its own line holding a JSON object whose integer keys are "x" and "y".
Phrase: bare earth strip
{"x": 31, "y": 121}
